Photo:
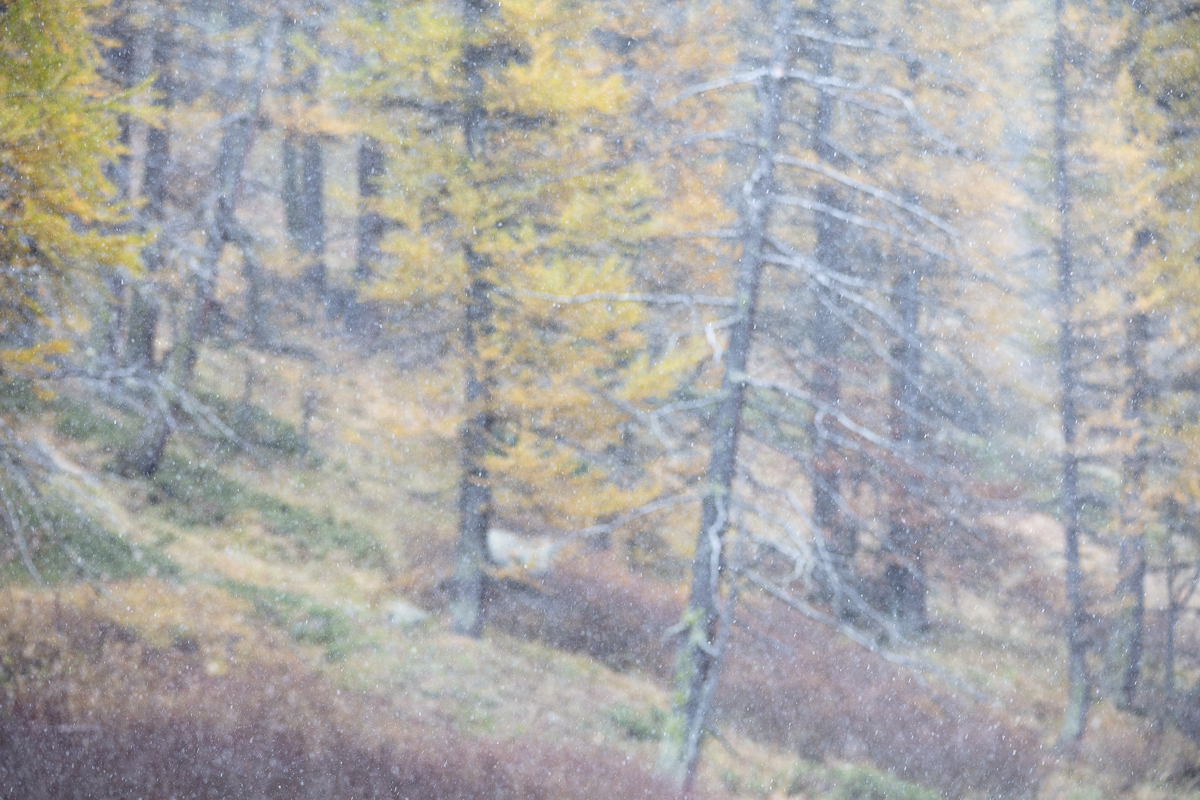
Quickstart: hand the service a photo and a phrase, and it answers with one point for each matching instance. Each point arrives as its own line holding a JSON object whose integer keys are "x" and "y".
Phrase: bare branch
{"x": 622, "y": 297}
{"x": 733, "y": 80}
{"x": 873, "y": 191}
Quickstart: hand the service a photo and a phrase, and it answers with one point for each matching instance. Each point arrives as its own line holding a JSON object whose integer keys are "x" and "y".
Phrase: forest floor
{"x": 318, "y": 541}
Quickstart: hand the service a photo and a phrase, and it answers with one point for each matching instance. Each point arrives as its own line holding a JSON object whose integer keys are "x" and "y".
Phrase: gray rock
{"x": 404, "y": 614}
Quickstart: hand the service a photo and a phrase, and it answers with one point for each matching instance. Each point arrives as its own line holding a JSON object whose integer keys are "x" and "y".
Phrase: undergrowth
{"x": 89, "y": 708}
{"x": 786, "y": 681}
{"x": 305, "y": 621}
{"x": 67, "y": 543}
{"x": 195, "y": 494}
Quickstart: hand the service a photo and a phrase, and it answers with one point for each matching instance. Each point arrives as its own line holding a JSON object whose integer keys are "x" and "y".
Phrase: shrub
{"x": 90, "y": 710}
{"x": 787, "y": 680}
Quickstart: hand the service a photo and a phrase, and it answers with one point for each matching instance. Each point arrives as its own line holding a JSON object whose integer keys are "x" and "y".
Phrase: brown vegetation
{"x": 90, "y": 709}
{"x": 787, "y": 680}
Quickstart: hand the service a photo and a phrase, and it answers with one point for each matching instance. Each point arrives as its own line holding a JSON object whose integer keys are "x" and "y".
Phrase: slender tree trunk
{"x": 1078, "y": 688}
{"x": 290, "y": 190}
{"x": 906, "y": 584}
{"x": 475, "y": 492}
{"x": 698, "y": 658}
{"x": 837, "y": 539}
{"x": 1177, "y": 602}
{"x": 1126, "y": 638}
{"x": 370, "y": 222}
{"x": 143, "y": 306}
{"x": 304, "y": 178}
{"x": 1172, "y": 622}
{"x": 105, "y": 342}
{"x": 312, "y": 212}
{"x": 290, "y": 146}
{"x": 220, "y": 228}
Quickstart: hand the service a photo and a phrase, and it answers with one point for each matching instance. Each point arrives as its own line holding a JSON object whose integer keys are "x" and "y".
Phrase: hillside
{"x": 473, "y": 400}
{"x": 287, "y": 573}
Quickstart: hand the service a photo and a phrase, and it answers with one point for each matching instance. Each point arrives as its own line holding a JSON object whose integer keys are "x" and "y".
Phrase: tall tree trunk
{"x": 370, "y": 222}
{"x": 837, "y": 539}
{"x": 474, "y": 441}
{"x": 1128, "y": 625}
{"x": 905, "y": 583}
{"x": 312, "y": 212}
{"x": 475, "y": 493}
{"x": 108, "y": 312}
{"x": 1078, "y": 688}
{"x": 143, "y": 306}
{"x": 220, "y": 227}
{"x": 290, "y": 189}
{"x": 304, "y": 177}
{"x": 697, "y": 662}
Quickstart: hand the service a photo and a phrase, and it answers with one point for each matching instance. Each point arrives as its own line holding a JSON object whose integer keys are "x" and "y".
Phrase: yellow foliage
{"x": 57, "y": 131}
{"x": 553, "y": 212}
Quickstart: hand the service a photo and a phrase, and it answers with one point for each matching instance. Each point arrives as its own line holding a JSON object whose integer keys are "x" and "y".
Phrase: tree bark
{"x": 304, "y": 180}
{"x": 312, "y": 213}
{"x": 371, "y": 224}
{"x": 143, "y": 306}
{"x": 905, "y": 583}
{"x": 698, "y": 659}
{"x": 1078, "y": 684}
{"x": 475, "y": 492}
{"x": 837, "y": 539}
{"x": 1128, "y": 625}
{"x": 108, "y": 312}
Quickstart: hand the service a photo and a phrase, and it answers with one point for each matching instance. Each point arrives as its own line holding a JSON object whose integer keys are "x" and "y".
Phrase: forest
{"x": 465, "y": 399}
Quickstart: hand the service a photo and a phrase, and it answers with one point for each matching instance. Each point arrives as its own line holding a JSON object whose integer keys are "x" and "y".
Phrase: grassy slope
{"x": 302, "y": 546}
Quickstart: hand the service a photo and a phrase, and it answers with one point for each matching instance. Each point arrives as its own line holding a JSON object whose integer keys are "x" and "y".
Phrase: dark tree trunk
{"x": 837, "y": 538}
{"x": 143, "y": 306}
{"x": 905, "y": 583}
{"x": 475, "y": 492}
{"x": 371, "y": 224}
{"x": 698, "y": 658}
{"x": 1128, "y": 624}
{"x": 1078, "y": 688}
{"x": 304, "y": 177}
{"x": 312, "y": 213}
{"x": 105, "y": 342}
{"x": 290, "y": 191}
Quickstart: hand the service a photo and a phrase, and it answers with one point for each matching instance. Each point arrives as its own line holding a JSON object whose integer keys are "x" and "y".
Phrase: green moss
{"x": 80, "y": 547}
{"x": 197, "y": 493}
{"x": 865, "y": 783}
{"x": 305, "y": 621}
{"x": 253, "y": 425}
{"x": 93, "y": 422}
{"x": 647, "y": 726}
{"x": 315, "y": 533}
{"x": 109, "y": 427}
{"x": 731, "y": 781}
{"x": 18, "y": 397}
{"x": 853, "y": 782}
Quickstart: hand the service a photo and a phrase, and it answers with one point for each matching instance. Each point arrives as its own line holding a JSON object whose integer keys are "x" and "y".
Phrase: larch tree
{"x": 59, "y": 225}
{"x": 517, "y": 215}
{"x": 61, "y": 135}
{"x": 1165, "y": 69}
{"x": 850, "y": 185}
{"x": 1099, "y": 193}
